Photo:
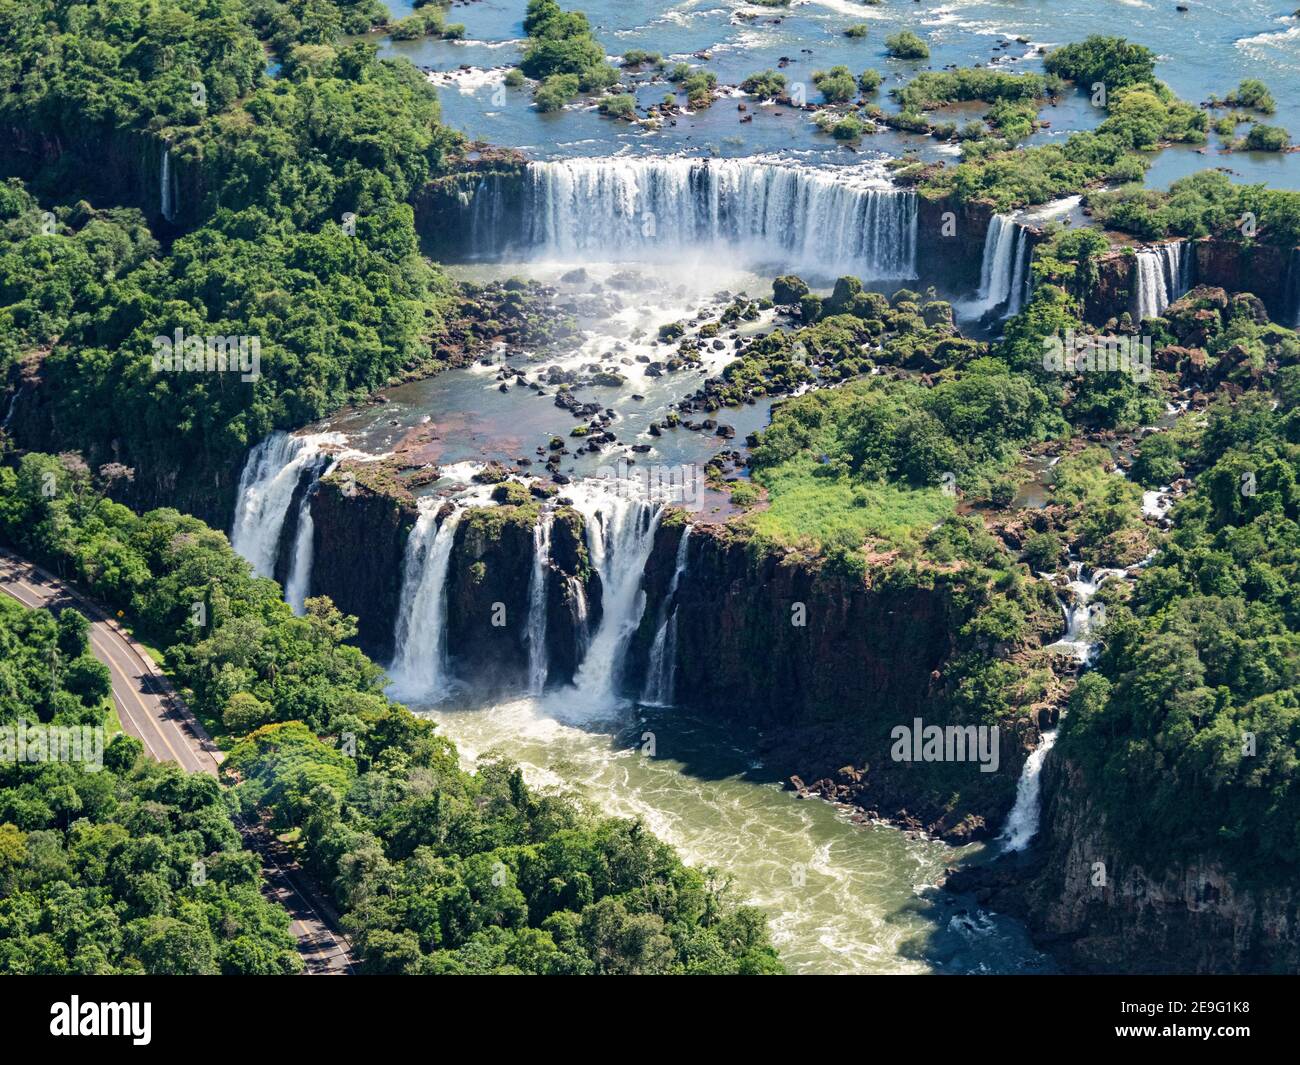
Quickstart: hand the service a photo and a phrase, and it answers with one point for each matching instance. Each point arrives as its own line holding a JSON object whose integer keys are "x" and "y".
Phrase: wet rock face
{"x": 825, "y": 667}
{"x": 1194, "y": 917}
{"x": 487, "y": 595}
{"x": 360, "y": 541}
{"x": 950, "y": 244}
{"x": 1266, "y": 271}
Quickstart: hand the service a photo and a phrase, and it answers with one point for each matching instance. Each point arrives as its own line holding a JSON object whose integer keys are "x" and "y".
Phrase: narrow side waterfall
{"x": 419, "y": 670}
{"x": 1004, "y": 271}
{"x": 1293, "y": 287}
{"x": 298, "y": 584}
{"x": 581, "y": 620}
{"x": 13, "y": 406}
{"x": 823, "y": 221}
{"x": 166, "y": 195}
{"x": 661, "y": 669}
{"x": 1082, "y": 619}
{"x": 620, "y": 536}
{"x": 266, "y": 488}
{"x": 1022, "y": 822}
{"x": 536, "y": 633}
{"x": 1162, "y": 274}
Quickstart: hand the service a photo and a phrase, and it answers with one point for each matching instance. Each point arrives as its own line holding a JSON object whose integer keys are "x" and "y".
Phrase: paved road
{"x": 150, "y": 710}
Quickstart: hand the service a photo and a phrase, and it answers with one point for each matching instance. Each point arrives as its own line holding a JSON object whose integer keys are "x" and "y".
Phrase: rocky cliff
{"x": 1270, "y": 272}
{"x": 825, "y": 666}
{"x": 1100, "y": 910}
{"x": 950, "y": 243}
{"x": 360, "y": 541}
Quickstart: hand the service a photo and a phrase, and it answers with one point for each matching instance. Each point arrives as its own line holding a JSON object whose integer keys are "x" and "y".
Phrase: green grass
{"x": 804, "y": 506}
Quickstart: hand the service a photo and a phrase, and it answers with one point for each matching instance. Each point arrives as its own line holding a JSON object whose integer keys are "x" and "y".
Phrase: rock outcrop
{"x": 1100, "y": 910}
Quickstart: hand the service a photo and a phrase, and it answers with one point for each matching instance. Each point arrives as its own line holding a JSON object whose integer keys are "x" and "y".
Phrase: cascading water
{"x": 266, "y": 489}
{"x": 13, "y": 406}
{"x": 827, "y": 222}
{"x": 1022, "y": 822}
{"x": 620, "y": 536}
{"x": 1162, "y": 275}
{"x": 298, "y": 584}
{"x": 661, "y": 668}
{"x": 419, "y": 671}
{"x": 165, "y": 192}
{"x": 536, "y": 634}
{"x": 1082, "y": 617}
{"x": 1004, "y": 271}
{"x": 1081, "y": 621}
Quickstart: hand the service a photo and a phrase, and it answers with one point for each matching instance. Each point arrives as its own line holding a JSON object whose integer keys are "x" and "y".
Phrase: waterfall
{"x": 662, "y": 666}
{"x": 825, "y": 221}
{"x": 1163, "y": 274}
{"x": 298, "y": 584}
{"x": 1080, "y": 624}
{"x": 13, "y": 406}
{"x": 266, "y": 489}
{"x": 536, "y": 634}
{"x": 1293, "y": 287}
{"x": 1080, "y": 615}
{"x": 419, "y": 670}
{"x": 578, "y": 597}
{"x": 620, "y": 536}
{"x": 167, "y": 206}
{"x": 1004, "y": 271}
{"x": 1022, "y": 822}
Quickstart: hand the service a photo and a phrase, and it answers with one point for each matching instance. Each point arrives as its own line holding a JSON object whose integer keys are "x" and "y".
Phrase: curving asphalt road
{"x": 151, "y": 711}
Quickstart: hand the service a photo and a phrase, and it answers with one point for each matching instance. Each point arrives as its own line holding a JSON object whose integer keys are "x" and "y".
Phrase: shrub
{"x": 620, "y": 106}
{"x": 1109, "y": 60}
{"x": 765, "y": 85}
{"x": 837, "y": 85}
{"x": 869, "y": 80}
{"x": 555, "y": 91}
{"x": 906, "y": 45}
{"x": 1267, "y": 139}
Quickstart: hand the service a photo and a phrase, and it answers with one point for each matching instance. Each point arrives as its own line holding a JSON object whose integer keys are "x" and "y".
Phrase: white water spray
{"x": 620, "y": 536}
{"x": 298, "y": 583}
{"x": 536, "y": 632}
{"x": 166, "y": 204}
{"x": 1162, "y": 274}
{"x": 1004, "y": 271}
{"x": 266, "y": 488}
{"x": 420, "y": 671}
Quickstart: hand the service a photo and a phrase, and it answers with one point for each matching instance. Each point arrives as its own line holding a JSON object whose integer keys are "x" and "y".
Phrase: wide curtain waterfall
{"x": 661, "y": 669}
{"x": 1004, "y": 270}
{"x": 1161, "y": 275}
{"x": 270, "y": 478}
{"x": 819, "y": 220}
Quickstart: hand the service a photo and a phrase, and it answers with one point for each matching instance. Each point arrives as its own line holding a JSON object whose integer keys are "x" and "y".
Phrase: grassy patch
{"x": 805, "y": 506}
